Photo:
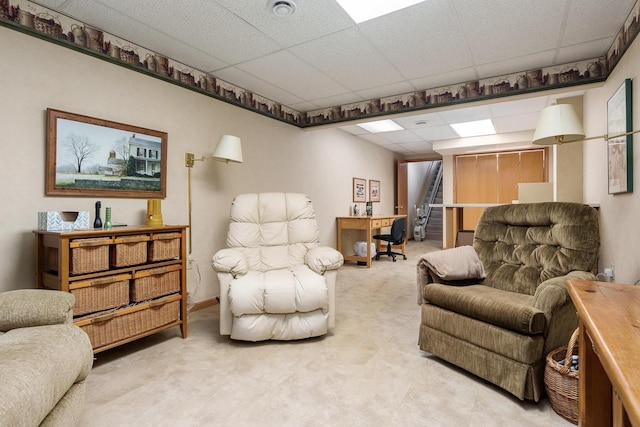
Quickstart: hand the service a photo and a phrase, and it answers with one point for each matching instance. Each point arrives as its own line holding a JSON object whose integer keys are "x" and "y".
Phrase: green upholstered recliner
{"x": 501, "y": 328}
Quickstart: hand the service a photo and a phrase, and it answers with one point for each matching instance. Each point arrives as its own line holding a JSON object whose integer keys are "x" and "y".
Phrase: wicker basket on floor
{"x": 561, "y": 382}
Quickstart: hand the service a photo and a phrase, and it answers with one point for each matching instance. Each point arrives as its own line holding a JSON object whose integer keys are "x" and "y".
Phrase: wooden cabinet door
{"x": 476, "y": 182}
{"x": 494, "y": 178}
{"x": 508, "y": 177}
{"x": 532, "y": 166}
{"x": 466, "y": 185}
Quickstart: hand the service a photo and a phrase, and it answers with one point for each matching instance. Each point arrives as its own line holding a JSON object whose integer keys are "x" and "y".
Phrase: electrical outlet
{"x": 190, "y": 262}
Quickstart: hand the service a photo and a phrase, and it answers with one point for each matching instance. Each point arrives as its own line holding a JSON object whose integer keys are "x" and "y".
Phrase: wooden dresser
{"x": 609, "y": 353}
{"x": 129, "y": 282}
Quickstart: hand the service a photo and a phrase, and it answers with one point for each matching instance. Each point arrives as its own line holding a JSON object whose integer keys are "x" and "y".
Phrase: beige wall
{"x": 36, "y": 75}
{"x": 566, "y": 174}
{"x": 619, "y": 214}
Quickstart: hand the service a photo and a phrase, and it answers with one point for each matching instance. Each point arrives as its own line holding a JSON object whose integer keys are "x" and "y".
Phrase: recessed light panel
{"x": 364, "y": 10}
{"x": 475, "y": 128}
{"x": 381, "y": 126}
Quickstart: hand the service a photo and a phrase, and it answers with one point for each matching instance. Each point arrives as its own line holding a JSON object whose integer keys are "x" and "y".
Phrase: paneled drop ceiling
{"x": 318, "y": 57}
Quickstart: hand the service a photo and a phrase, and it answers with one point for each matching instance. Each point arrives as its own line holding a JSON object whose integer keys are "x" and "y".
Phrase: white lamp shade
{"x": 229, "y": 149}
{"x": 558, "y": 124}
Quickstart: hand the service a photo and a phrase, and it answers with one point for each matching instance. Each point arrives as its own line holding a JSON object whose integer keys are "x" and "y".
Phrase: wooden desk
{"x": 368, "y": 224}
{"x": 609, "y": 353}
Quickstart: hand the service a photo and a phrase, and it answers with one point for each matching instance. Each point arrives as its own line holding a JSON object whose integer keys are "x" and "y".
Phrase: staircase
{"x": 432, "y": 194}
{"x": 434, "y": 221}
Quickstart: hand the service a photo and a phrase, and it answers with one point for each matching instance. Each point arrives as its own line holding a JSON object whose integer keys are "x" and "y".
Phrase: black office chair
{"x": 398, "y": 233}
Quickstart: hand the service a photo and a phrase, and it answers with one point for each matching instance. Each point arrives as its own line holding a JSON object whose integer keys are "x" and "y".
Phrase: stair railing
{"x": 434, "y": 190}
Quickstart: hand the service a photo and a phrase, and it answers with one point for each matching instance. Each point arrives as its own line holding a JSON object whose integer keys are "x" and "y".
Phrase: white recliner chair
{"x": 276, "y": 281}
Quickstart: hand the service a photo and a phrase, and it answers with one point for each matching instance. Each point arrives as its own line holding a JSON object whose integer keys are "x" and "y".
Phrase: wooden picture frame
{"x": 91, "y": 157}
{"x": 620, "y": 148}
{"x": 374, "y": 190}
{"x": 359, "y": 190}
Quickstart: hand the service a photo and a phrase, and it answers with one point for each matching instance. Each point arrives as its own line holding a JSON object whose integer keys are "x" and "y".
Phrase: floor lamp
{"x": 229, "y": 149}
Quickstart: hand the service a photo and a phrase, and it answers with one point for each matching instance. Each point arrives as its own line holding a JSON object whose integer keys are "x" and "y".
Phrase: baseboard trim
{"x": 204, "y": 304}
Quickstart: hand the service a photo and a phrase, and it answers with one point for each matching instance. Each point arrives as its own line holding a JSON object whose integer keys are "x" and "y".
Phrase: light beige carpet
{"x": 367, "y": 372}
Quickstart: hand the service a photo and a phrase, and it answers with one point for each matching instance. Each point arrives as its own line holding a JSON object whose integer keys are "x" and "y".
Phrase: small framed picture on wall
{"x": 359, "y": 190}
{"x": 374, "y": 190}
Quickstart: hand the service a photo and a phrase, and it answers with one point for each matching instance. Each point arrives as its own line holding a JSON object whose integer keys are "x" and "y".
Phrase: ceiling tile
{"x": 53, "y": 4}
{"x": 344, "y": 55}
{"x": 256, "y": 85}
{"x": 445, "y": 79}
{"x": 420, "y": 40}
{"x": 330, "y": 101}
{"x": 432, "y": 119}
{"x": 418, "y": 147}
{"x": 522, "y": 106}
{"x": 436, "y": 133}
{"x": 398, "y": 149}
{"x": 283, "y": 69}
{"x": 211, "y": 28}
{"x": 400, "y": 136}
{"x": 512, "y": 65}
{"x": 312, "y": 19}
{"x": 516, "y": 123}
{"x": 304, "y": 106}
{"x": 469, "y": 114}
{"x": 386, "y": 90}
{"x": 604, "y": 17}
{"x": 131, "y": 30}
{"x": 496, "y": 30}
{"x": 374, "y": 138}
{"x": 581, "y": 51}
{"x": 354, "y": 129}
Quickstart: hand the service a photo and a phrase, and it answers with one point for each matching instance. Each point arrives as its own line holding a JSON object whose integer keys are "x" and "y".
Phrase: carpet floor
{"x": 368, "y": 371}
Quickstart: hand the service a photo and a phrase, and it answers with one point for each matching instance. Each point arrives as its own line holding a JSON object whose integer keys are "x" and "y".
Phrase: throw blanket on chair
{"x": 450, "y": 264}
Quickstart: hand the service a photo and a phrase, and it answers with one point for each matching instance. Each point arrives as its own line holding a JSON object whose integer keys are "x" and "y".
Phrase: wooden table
{"x": 368, "y": 224}
{"x": 609, "y": 353}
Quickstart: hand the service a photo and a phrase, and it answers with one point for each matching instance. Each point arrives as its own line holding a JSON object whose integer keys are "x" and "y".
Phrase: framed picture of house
{"x": 359, "y": 190}
{"x": 374, "y": 190}
{"x": 93, "y": 157}
{"x": 619, "y": 145}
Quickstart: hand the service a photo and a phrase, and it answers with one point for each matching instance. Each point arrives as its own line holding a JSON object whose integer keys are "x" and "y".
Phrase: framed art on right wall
{"x": 620, "y": 146}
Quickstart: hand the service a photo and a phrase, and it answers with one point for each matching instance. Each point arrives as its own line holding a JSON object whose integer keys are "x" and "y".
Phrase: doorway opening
{"x": 419, "y": 186}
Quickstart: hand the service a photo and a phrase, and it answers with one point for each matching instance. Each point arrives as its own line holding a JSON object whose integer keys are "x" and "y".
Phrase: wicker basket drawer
{"x": 100, "y": 294}
{"x": 154, "y": 283}
{"x": 113, "y": 326}
{"x": 89, "y": 255}
{"x": 164, "y": 246}
{"x": 129, "y": 250}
